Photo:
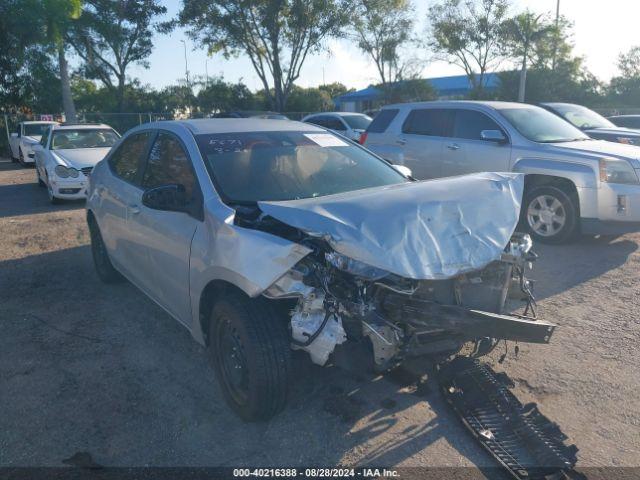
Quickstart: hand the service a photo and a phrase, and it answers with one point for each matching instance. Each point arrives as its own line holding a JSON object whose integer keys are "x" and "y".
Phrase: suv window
{"x": 125, "y": 160}
{"x": 168, "y": 163}
{"x": 469, "y": 123}
{"x": 433, "y": 122}
{"x": 382, "y": 120}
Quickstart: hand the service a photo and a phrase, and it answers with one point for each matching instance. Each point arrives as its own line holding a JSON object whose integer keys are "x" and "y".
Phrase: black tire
{"x": 104, "y": 268}
{"x": 251, "y": 352}
{"x": 558, "y": 202}
{"x": 21, "y": 157}
{"x": 40, "y": 181}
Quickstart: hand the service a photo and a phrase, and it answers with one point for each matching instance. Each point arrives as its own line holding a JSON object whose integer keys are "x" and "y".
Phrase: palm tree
{"x": 522, "y": 32}
{"x": 58, "y": 15}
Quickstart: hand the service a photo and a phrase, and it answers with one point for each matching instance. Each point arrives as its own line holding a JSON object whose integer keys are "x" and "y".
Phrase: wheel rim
{"x": 546, "y": 215}
{"x": 232, "y": 361}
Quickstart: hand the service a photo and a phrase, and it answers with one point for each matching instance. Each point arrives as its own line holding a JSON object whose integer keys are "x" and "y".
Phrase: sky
{"x": 601, "y": 31}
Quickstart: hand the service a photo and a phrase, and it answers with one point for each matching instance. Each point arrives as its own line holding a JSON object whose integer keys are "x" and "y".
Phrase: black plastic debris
{"x": 522, "y": 439}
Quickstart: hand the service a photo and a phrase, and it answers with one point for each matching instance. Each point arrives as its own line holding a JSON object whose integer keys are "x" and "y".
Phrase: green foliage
{"x": 469, "y": 33}
{"x": 624, "y": 89}
{"x": 113, "y": 34}
{"x": 380, "y": 29}
{"x": 276, "y": 36}
{"x": 221, "y": 96}
{"x": 414, "y": 90}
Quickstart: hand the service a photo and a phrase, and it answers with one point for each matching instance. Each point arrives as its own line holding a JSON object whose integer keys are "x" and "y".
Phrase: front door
{"x": 466, "y": 151}
{"x": 166, "y": 236}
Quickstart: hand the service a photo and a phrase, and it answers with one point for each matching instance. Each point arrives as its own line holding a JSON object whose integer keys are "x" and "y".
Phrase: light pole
{"x": 186, "y": 66}
{"x": 557, "y": 39}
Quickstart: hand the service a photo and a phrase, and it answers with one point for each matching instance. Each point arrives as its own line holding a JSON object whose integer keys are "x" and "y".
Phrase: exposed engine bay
{"x": 336, "y": 299}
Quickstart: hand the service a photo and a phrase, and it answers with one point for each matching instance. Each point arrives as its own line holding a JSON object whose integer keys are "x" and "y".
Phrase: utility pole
{"x": 557, "y": 35}
{"x": 186, "y": 66}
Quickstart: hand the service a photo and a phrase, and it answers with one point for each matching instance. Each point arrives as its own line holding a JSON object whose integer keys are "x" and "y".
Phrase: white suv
{"x": 573, "y": 182}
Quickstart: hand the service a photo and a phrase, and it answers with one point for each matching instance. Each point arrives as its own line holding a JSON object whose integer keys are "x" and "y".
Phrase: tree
{"x": 522, "y": 32}
{"x": 624, "y": 89}
{"x": 113, "y": 34}
{"x": 275, "y": 35}
{"x": 58, "y": 16}
{"x": 220, "y": 96}
{"x": 411, "y": 90}
{"x": 469, "y": 33}
{"x": 380, "y": 28}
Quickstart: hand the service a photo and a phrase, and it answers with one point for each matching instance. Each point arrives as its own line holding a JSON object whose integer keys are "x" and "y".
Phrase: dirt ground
{"x": 102, "y": 369}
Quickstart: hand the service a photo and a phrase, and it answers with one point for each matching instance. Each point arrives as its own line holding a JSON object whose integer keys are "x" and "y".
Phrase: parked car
{"x": 626, "y": 121}
{"x": 592, "y": 123}
{"x": 350, "y": 125}
{"x": 66, "y": 156}
{"x": 22, "y": 141}
{"x": 262, "y": 236}
{"x": 573, "y": 182}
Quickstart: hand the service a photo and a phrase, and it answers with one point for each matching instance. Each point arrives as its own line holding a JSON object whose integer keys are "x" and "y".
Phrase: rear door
{"x": 466, "y": 151}
{"x": 165, "y": 237}
{"x": 118, "y": 192}
{"x": 424, "y": 132}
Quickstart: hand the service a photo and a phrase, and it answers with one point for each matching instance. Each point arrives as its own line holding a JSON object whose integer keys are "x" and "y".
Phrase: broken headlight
{"x": 355, "y": 267}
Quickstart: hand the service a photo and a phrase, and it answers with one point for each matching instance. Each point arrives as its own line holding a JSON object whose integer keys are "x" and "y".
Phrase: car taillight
{"x": 363, "y": 138}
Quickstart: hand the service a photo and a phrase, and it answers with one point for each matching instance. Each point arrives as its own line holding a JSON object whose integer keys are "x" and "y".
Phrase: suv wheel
{"x": 106, "y": 272}
{"x": 550, "y": 214}
{"x": 21, "y": 158}
{"x": 250, "y": 347}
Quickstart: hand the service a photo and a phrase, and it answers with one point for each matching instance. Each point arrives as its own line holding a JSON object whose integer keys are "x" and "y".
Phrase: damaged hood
{"x": 434, "y": 229}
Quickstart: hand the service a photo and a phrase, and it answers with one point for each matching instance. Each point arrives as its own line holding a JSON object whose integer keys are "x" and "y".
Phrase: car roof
{"x": 236, "y": 125}
{"x": 461, "y": 103}
{"x": 82, "y": 126}
{"x": 339, "y": 114}
{"x": 625, "y": 116}
{"x": 560, "y": 104}
{"x": 39, "y": 122}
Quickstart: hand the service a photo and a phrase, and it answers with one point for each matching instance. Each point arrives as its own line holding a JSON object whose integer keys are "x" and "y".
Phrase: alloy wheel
{"x": 546, "y": 215}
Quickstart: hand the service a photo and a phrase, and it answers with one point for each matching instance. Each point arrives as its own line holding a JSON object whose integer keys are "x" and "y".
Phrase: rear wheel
{"x": 550, "y": 214}
{"x": 250, "y": 347}
{"x": 106, "y": 272}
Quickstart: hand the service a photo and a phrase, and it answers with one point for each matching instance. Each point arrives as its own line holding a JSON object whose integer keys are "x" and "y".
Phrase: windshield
{"x": 539, "y": 125}
{"x": 35, "y": 129}
{"x": 249, "y": 167}
{"x": 83, "y": 138}
{"x": 582, "y": 117}
{"x": 358, "y": 122}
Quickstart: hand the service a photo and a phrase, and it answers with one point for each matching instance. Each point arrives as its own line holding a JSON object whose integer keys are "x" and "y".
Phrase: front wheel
{"x": 250, "y": 347}
{"x": 550, "y": 214}
{"x": 40, "y": 181}
{"x": 53, "y": 200}
{"x": 21, "y": 157}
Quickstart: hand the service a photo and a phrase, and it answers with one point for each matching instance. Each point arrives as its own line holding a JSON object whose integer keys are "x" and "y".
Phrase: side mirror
{"x": 170, "y": 198}
{"x": 493, "y": 136}
{"x": 406, "y": 171}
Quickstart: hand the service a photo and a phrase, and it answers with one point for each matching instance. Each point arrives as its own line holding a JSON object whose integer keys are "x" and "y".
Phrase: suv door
{"x": 424, "y": 132}
{"x": 165, "y": 236}
{"x": 466, "y": 151}
{"x": 117, "y": 193}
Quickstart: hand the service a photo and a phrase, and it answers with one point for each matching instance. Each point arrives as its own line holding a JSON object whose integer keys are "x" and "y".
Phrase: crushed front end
{"x": 338, "y": 300}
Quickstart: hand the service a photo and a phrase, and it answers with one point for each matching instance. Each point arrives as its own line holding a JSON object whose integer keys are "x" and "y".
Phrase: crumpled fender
{"x": 433, "y": 229}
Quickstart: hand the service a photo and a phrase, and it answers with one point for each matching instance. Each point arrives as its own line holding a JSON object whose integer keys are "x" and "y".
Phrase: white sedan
{"x": 66, "y": 156}
{"x": 25, "y": 137}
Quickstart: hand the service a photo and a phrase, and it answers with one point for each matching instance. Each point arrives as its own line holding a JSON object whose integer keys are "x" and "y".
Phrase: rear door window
{"x": 432, "y": 122}
{"x": 382, "y": 121}
{"x": 317, "y": 121}
{"x": 169, "y": 163}
{"x": 125, "y": 161}
{"x": 469, "y": 124}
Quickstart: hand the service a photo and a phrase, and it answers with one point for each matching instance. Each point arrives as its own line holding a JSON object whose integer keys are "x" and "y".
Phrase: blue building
{"x": 446, "y": 88}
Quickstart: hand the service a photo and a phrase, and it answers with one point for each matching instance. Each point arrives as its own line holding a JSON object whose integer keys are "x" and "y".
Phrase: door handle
{"x": 401, "y": 141}
{"x": 453, "y": 146}
{"x": 134, "y": 209}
